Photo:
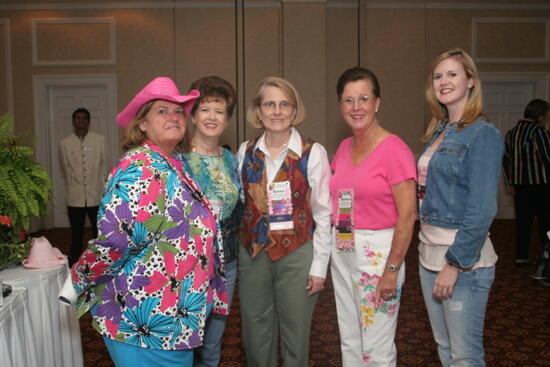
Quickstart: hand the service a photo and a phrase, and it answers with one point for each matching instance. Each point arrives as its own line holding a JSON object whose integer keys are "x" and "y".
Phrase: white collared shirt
{"x": 318, "y": 175}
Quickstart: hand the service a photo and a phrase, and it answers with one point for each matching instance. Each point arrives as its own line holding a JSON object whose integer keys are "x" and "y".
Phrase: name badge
{"x": 344, "y": 228}
{"x": 279, "y": 198}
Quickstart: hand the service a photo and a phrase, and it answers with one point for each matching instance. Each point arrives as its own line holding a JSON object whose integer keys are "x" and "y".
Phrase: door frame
{"x": 43, "y": 116}
{"x": 541, "y": 82}
{"x": 540, "y": 79}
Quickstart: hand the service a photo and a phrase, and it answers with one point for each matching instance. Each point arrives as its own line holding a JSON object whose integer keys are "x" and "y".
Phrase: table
{"x": 56, "y": 328}
{"x": 17, "y": 345}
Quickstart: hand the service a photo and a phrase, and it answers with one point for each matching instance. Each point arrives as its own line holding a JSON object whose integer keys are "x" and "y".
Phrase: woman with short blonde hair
{"x": 288, "y": 89}
{"x": 285, "y": 232}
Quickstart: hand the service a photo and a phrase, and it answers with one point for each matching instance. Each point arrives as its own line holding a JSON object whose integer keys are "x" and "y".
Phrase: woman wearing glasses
{"x": 373, "y": 193}
{"x": 286, "y": 228}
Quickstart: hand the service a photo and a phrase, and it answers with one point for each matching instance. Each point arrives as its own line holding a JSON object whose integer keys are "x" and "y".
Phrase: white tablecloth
{"x": 17, "y": 345}
{"x": 57, "y": 331}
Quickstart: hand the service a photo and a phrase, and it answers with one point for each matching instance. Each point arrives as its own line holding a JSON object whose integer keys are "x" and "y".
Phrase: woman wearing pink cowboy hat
{"x": 154, "y": 273}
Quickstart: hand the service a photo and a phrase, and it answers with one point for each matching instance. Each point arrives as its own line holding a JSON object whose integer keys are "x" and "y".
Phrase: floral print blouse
{"x": 154, "y": 272}
{"x": 218, "y": 178}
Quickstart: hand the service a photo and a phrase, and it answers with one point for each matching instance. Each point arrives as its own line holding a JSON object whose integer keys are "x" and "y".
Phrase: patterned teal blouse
{"x": 218, "y": 179}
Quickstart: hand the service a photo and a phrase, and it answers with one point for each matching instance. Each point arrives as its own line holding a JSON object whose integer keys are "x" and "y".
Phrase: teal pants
{"x": 273, "y": 300}
{"x": 126, "y": 355}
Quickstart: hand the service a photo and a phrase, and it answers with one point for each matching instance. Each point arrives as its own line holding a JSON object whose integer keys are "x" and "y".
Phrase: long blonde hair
{"x": 474, "y": 106}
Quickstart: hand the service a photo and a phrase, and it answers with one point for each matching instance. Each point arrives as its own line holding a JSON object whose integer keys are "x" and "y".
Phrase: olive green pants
{"x": 273, "y": 301}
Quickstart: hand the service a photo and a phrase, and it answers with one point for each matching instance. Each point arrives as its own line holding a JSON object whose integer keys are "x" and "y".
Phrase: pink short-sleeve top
{"x": 390, "y": 163}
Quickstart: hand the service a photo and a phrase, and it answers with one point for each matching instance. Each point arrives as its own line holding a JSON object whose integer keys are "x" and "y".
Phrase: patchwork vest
{"x": 255, "y": 233}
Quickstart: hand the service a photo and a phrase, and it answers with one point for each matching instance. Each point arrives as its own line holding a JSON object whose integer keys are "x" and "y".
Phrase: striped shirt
{"x": 527, "y": 157}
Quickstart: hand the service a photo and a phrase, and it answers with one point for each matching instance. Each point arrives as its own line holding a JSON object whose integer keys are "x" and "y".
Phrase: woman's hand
{"x": 404, "y": 195}
{"x": 314, "y": 284}
{"x": 445, "y": 282}
{"x": 387, "y": 287}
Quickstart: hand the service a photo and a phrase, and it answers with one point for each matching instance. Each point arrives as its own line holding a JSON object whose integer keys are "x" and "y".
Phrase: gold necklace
{"x": 194, "y": 150}
{"x": 276, "y": 147}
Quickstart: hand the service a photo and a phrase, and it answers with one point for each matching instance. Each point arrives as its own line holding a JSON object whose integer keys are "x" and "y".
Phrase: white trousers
{"x": 366, "y": 333}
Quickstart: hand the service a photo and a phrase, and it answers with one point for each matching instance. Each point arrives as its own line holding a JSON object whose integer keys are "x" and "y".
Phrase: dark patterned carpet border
{"x": 517, "y": 326}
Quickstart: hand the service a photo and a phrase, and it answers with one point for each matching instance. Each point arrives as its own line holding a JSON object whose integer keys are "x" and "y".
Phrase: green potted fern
{"x": 25, "y": 190}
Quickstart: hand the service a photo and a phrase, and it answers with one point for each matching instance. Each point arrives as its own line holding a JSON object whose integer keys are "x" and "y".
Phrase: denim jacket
{"x": 461, "y": 186}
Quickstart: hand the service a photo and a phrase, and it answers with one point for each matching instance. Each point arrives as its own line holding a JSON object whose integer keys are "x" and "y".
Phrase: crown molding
{"x": 275, "y": 4}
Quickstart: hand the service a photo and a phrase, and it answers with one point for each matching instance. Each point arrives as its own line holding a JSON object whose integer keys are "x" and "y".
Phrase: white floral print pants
{"x": 366, "y": 332}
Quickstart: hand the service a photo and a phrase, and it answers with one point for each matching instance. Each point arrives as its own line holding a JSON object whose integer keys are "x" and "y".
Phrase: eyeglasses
{"x": 348, "y": 101}
{"x": 284, "y": 106}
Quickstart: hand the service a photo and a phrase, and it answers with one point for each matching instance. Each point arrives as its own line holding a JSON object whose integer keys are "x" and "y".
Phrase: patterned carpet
{"x": 517, "y": 329}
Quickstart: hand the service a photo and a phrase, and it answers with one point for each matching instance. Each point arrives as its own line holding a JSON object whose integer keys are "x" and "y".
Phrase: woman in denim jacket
{"x": 458, "y": 178}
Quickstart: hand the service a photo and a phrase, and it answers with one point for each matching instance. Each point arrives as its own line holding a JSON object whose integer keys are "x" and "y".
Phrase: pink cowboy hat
{"x": 43, "y": 255}
{"x": 159, "y": 88}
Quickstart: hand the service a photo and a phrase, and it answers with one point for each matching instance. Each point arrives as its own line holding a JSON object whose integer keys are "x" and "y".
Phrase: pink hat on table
{"x": 43, "y": 255}
{"x": 159, "y": 88}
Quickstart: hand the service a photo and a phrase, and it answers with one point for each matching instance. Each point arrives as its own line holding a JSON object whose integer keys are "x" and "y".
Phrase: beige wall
{"x": 341, "y": 52}
{"x": 308, "y": 42}
{"x": 400, "y": 67}
{"x": 4, "y": 72}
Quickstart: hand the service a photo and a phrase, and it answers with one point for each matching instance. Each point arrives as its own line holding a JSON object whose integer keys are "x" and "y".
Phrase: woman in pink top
{"x": 374, "y": 210}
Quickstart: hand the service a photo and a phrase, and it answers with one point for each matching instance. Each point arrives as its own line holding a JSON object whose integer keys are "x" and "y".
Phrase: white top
{"x": 83, "y": 170}
{"x": 435, "y": 241}
{"x": 318, "y": 175}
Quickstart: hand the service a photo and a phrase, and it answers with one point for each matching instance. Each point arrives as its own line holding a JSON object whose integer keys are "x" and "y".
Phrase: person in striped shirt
{"x": 527, "y": 171}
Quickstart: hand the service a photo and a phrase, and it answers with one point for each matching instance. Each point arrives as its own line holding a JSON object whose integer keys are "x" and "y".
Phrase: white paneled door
{"x": 63, "y": 100}
{"x": 56, "y": 99}
{"x": 504, "y": 103}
